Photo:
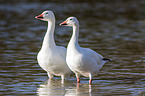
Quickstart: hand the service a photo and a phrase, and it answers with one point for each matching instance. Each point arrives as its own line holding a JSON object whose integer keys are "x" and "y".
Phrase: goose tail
{"x": 104, "y": 60}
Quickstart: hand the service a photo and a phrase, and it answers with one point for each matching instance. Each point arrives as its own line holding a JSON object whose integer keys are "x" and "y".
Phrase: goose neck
{"x": 48, "y": 41}
{"x": 74, "y": 39}
{"x": 75, "y": 34}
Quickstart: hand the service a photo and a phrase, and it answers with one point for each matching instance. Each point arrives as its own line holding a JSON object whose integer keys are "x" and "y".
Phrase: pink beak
{"x": 39, "y": 16}
{"x": 63, "y": 23}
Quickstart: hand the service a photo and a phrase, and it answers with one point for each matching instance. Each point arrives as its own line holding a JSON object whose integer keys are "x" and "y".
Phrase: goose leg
{"x": 90, "y": 81}
{"x": 78, "y": 78}
{"x": 62, "y": 79}
{"x": 90, "y": 76}
{"x": 50, "y": 75}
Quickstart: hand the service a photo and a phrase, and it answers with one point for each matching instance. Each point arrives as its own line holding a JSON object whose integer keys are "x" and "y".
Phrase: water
{"x": 115, "y": 29}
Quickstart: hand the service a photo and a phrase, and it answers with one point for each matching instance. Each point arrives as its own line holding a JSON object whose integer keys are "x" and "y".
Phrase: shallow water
{"x": 114, "y": 29}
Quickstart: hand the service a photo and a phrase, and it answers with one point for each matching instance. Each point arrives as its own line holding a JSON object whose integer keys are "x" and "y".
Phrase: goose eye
{"x": 70, "y": 19}
{"x": 46, "y": 13}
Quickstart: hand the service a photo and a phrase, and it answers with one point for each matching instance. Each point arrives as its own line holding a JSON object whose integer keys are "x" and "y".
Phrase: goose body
{"x": 52, "y": 58}
{"x": 82, "y": 61}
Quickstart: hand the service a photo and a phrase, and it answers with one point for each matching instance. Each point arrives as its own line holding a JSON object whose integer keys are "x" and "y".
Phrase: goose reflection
{"x": 50, "y": 88}
{"x": 69, "y": 88}
{"x": 80, "y": 90}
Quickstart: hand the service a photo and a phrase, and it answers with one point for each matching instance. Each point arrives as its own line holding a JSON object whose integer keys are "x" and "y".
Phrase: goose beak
{"x": 63, "y": 23}
{"x": 39, "y": 16}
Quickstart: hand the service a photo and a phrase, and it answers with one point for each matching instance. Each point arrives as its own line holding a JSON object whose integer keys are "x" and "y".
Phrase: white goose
{"x": 52, "y": 58}
{"x": 82, "y": 61}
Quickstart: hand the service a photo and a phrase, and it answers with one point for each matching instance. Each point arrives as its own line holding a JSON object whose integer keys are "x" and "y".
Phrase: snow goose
{"x": 82, "y": 61}
{"x": 52, "y": 58}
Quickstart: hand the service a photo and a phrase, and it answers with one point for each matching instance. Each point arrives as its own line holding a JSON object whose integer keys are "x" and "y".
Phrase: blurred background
{"x": 113, "y": 28}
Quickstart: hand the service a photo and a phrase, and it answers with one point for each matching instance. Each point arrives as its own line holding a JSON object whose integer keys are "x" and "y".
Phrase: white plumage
{"x": 52, "y": 58}
{"x": 82, "y": 61}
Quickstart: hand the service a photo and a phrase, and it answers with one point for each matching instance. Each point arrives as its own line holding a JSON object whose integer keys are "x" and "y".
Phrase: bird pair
{"x": 59, "y": 61}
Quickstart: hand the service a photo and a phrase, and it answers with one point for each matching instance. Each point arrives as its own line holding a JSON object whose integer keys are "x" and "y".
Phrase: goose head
{"x": 71, "y": 21}
{"x": 46, "y": 16}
